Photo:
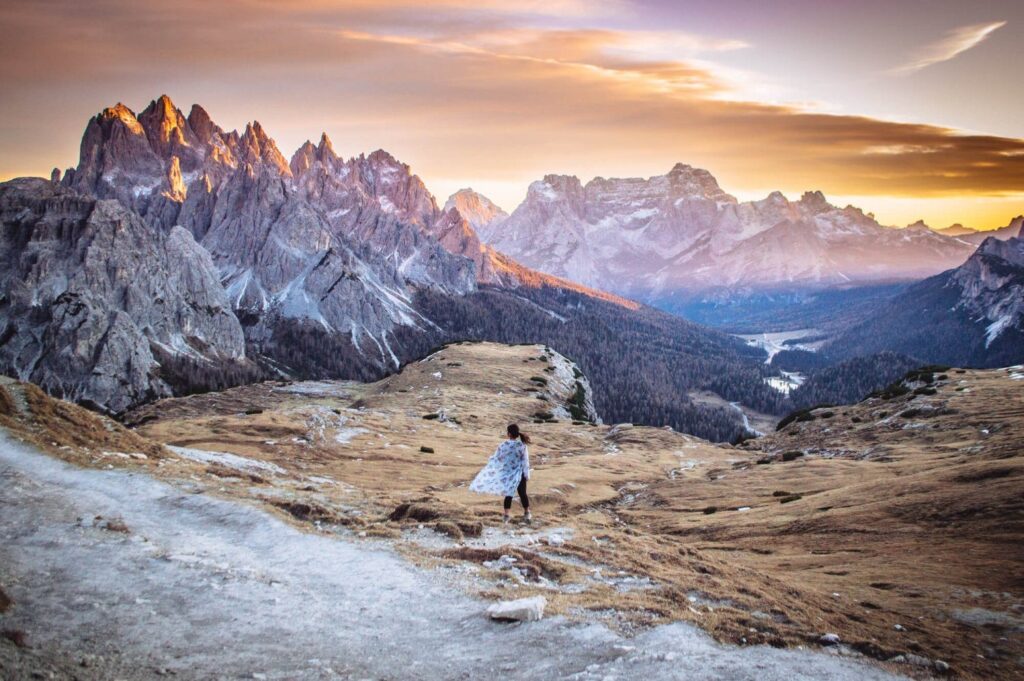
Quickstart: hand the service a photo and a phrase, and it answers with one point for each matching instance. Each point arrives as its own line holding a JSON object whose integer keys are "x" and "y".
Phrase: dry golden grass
{"x": 67, "y": 430}
{"x": 898, "y": 533}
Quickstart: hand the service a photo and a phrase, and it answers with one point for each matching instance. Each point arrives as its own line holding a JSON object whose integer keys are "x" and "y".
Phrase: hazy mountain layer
{"x": 680, "y": 233}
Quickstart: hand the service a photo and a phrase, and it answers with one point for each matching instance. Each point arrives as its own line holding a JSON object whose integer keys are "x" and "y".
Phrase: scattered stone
{"x": 791, "y": 497}
{"x": 521, "y": 610}
{"x": 791, "y": 456}
{"x": 618, "y": 428}
{"x": 829, "y": 639}
{"x": 5, "y": 601}
{"x": 502, "y": 563}
{"x": 114, "y": 525}
{"x": 427, "y": 450}
{"x": 917, "y": 660}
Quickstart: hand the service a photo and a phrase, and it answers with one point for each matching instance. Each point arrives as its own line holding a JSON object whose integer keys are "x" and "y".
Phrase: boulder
{"x": 521, "y": 610}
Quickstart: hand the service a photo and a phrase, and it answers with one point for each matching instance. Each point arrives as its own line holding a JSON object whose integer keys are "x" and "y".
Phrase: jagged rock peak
{"x": 165, "y": 126}
{"x": 476, "y": 208}
{"x": 202, "y": 125}
{"x": 553, "y": 185}
{"x": 325, "y": 145}
{"x": 1010, "y": 250}
{"x": 815, "y": 201}
{"x": 121, "y": 113}
{"x": 259, "y": 146}
{"x": 696, "y": 182}
{"x": 384, "y": 158}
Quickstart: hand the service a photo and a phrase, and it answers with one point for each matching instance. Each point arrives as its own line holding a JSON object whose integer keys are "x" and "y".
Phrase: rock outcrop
{"x": 100, "y": 307}
{"x": 520, "y": 610}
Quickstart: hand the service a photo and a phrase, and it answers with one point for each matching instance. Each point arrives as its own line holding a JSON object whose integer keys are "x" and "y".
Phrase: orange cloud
{"x": 471, "y": 95}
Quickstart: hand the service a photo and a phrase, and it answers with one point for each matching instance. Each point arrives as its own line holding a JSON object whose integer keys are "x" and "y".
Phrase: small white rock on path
{"x": 208, "y": 588}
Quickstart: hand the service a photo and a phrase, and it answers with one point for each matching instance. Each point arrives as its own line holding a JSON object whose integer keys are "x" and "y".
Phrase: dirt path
{"x": 204, "y": 588}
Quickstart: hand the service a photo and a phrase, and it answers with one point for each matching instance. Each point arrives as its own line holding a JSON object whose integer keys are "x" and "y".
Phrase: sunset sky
{"x": 910, "y": 109}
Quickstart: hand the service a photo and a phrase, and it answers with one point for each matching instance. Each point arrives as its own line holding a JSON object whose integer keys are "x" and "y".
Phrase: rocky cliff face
{"x": 991, "y": 286}
{"x": 317, "y": 240}
{"x": 97, "y": 305}
{"x": 680, "y": 232}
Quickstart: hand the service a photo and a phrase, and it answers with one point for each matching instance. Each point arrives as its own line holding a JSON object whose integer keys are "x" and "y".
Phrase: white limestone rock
{"x": 521, "y": 610}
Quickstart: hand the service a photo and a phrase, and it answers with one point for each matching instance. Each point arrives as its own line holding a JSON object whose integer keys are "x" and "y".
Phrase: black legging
{"x": 522, "y": 496}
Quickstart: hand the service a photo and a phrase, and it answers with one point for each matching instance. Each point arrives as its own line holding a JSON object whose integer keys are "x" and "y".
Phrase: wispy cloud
{"x": 955, "y": 42}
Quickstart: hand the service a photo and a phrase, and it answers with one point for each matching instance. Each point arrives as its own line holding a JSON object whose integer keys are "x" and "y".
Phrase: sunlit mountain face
{"x": 912, "y": 115}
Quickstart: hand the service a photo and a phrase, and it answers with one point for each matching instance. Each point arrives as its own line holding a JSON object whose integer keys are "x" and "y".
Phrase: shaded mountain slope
{"x": 971, "y": 316}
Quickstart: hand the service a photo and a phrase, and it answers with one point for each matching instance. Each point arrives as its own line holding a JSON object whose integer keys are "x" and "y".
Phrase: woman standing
{"x": 507, "y": 471}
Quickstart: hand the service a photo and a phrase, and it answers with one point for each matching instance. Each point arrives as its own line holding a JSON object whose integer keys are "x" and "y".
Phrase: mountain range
{"x": 193, "y": 258}
{"x": 180, "y": 257}
{"x": 681, "y": 234}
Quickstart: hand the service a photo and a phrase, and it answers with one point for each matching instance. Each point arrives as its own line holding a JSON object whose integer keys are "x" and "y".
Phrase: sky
{"x": 908, "y": 109}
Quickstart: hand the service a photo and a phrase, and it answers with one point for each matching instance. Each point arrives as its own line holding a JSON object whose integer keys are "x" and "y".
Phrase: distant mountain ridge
{"x": 681, "y": 233}
{"x": 975, "y": 236}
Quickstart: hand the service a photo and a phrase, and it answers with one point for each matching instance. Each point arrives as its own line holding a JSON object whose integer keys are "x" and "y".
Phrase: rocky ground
{"x": 888, "y": 531}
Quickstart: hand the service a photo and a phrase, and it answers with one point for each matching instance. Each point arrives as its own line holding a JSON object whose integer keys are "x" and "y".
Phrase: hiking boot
{"x": 528, "y": 518}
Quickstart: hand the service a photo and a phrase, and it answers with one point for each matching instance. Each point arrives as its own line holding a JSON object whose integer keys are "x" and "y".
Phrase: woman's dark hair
{"x": 513, "y": 432}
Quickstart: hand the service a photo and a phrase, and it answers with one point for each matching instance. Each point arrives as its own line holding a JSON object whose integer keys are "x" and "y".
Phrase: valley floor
{"x": 116, "y": 575}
